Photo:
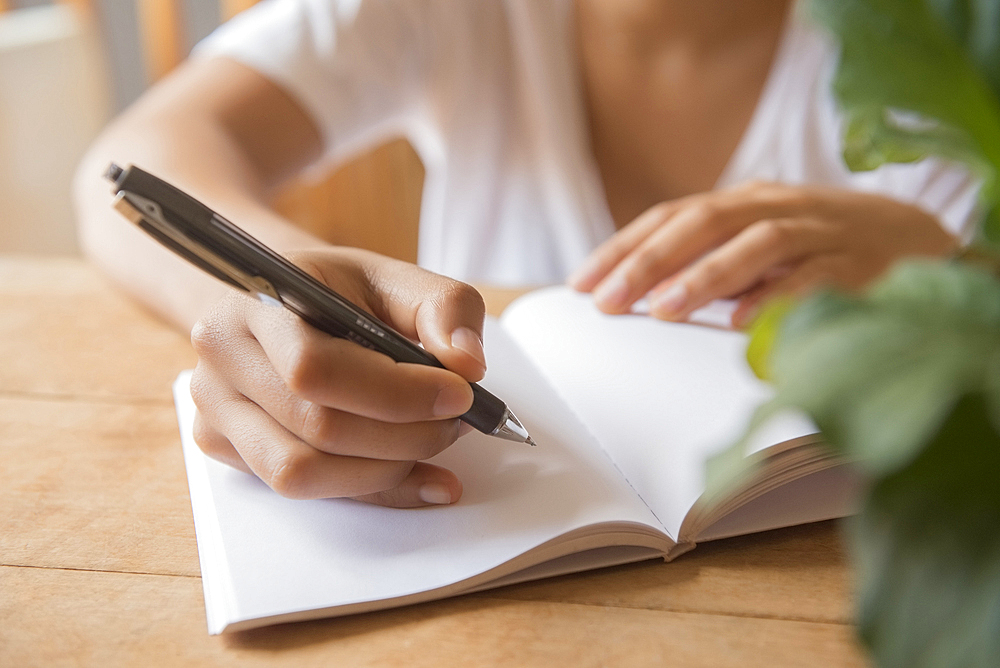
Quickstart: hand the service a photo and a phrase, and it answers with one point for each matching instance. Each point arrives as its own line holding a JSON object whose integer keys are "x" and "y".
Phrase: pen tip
{"x": 530, "y": 442}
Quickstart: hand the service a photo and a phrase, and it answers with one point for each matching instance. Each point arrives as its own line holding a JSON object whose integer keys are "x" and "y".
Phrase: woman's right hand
{"x": 315, "y": 416}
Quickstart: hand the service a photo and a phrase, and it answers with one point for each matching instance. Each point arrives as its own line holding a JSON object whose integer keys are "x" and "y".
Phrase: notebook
{"x": 625, "y": 411}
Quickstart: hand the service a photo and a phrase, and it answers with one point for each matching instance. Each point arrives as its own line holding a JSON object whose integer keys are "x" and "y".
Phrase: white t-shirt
{"x": 488, "y": 93}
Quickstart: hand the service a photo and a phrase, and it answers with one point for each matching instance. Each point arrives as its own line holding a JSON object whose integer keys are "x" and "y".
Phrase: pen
{"x": 209, "y": 241}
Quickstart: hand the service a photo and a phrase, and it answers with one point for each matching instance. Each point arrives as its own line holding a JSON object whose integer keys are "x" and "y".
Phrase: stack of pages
{"x": 625, "y": 410}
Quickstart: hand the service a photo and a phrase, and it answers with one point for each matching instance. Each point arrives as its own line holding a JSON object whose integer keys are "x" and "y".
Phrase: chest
{"x": 664, "y": 121}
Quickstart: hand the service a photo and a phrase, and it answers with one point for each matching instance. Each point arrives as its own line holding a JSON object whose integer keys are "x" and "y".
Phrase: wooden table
{"x": 98, "y": 564}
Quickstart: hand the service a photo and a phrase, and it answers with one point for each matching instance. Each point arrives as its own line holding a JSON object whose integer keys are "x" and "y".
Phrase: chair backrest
{"x": 372, "y": 202}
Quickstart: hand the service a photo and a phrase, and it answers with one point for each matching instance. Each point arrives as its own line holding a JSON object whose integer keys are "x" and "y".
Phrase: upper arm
{"x": 273, "y": 135}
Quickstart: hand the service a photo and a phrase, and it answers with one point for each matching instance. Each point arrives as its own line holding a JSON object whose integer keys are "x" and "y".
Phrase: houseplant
{"x": 905, "y": 379}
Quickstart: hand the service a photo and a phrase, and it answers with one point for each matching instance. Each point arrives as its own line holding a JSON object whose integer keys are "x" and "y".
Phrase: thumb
{"x": 445, "y": 315}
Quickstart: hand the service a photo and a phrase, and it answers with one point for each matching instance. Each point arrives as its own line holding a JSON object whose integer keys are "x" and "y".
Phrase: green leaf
{"x": 764, "y": 333}
{"x": 920, "y": 77}
{"x": 880, "y": 373}
{"x": 927, "y": 544}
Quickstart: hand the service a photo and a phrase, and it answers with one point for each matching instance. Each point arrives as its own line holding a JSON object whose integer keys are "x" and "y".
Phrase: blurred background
{"x": 68, "y": 66}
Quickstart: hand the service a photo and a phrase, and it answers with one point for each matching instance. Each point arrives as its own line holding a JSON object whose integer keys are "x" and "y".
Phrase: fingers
{"x": 340, "y": 374}
{"x": 217, "y": 446}
{"x": 332, "y": 430}
{"x": 686, "y": 236}
{"x": 316, "y": 416}
{"x": 738, "y": 265}
{"x": 814, "y": 273}
{"x": 445, "y": 315}
{"x": 609, "y": 254}
{"x": 245, "y": 436}
{"x": 285, "y": 463}
{"x": 686, "y": 230}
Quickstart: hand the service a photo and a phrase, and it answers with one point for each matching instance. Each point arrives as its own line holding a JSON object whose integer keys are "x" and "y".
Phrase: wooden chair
{"x": 372, "y": 202}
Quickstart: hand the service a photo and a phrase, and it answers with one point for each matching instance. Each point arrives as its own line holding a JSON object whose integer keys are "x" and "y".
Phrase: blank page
{"x": 263, "y": 555}
{"x": 659, "y": 397}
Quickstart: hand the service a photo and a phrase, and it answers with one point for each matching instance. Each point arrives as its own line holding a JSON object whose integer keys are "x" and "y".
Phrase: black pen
{"x": 206, "y": 239}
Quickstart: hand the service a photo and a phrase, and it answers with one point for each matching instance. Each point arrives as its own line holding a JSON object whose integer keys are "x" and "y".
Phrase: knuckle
{"x": 301, "y": 369}
{"x": 287, "y": 476}
{"x": 466, "y": 295}
{"x": 388, "y": 492}
{"x": 773, "y": 233}
{"x": 213, "y": 334}
{"x": 207, "y": 337}
{"x": 207, "y": 439}
{"x": 661, "y": 210}
{"x": 201, "y": 392}
{"x": 709, "y": 273}
{"x": 640, "y": 265}
{"x": 705, "y": 210}
{"x": 313, "y": 425}
{"x": 316, "y": 424}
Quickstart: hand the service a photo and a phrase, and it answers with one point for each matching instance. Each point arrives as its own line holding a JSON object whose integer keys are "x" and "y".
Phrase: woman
{"x": 683, "y": 150}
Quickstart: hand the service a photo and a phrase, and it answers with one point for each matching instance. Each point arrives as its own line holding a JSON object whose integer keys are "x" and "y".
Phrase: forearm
{"x": 192, "y": 145}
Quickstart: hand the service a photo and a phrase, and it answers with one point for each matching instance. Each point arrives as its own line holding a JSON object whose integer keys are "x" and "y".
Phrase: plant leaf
{"x": 920, "y": 77}
{"x": 764, "y": 333}
{"x": 879, "y": 374}
{"x": 927, "y": 544}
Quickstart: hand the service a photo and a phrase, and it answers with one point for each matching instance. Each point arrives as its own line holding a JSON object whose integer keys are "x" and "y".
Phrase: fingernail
{"x": 671, "y": 300}
{"x": 451, "y": 401}
{"x": 435, "y": 493}
{"x": 612, "y": 293}
{"x": 469, "y": 343}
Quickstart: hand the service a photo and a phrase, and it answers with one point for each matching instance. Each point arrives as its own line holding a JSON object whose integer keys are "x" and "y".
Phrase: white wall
{"x": 54, "y": 99}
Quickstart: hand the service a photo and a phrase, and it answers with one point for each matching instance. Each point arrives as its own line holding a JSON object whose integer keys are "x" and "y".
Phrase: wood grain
{"x": 98, "y": 562}
{"x": 65, "y": 332}
{"x": 122, "y": 619}
{"x": 91, "y": 485}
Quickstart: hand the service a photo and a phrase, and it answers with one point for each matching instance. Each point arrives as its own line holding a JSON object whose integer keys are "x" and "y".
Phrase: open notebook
{"x": 625, "y": 411}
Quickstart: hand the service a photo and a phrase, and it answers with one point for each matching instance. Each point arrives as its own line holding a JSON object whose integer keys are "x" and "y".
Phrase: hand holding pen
{"x": 320, "y": 416}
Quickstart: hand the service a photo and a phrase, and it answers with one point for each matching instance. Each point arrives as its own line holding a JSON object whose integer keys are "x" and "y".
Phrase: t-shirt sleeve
{"x": 356, "y": 66}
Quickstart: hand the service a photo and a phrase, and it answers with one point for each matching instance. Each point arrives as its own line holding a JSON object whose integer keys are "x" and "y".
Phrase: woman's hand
{"x": 754, "y": 242}
{"x": 316, "y": 416}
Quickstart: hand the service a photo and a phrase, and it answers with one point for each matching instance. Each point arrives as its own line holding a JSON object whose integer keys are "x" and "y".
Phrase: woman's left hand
{"x": 754, "y": 242}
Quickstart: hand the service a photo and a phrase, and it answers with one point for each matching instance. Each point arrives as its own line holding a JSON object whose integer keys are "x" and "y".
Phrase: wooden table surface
{"x": 98, "y": 563}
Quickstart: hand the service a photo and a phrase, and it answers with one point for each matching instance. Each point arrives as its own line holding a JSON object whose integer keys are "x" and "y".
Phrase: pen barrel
{"x": 487, "y": 413}
{"x": 245, "y": 261}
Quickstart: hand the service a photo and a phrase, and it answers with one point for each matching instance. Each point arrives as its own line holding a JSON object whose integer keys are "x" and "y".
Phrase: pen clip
{"x": 148, "y": 215}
